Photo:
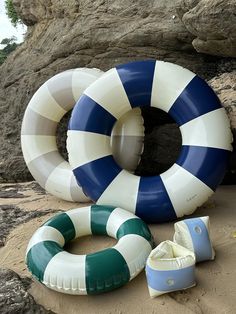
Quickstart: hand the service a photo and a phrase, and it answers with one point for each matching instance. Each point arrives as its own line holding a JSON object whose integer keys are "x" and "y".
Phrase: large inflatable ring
{"x": 96, "y": 272}
{"x": 38, "y": 134}
{"x": 206, "y": 140}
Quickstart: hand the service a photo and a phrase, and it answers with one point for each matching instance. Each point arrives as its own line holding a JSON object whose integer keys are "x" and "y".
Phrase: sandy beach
{"x": 216, "y": 280}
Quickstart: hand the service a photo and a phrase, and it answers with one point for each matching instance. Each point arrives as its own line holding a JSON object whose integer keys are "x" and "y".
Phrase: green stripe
{"x": 105, "y": 270}
{"x": 135, "y": 226}
{"x": 64, "y": 225}
{"x": 40, "y": 255}
{"x": 99, "y": 218}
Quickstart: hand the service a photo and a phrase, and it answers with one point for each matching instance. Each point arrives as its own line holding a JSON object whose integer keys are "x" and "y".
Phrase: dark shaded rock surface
{"x": 11, "y": 216}
{"x": 63, "y": 35}
{"x": 162, "y": 142}
{"x": 14, "y": 297}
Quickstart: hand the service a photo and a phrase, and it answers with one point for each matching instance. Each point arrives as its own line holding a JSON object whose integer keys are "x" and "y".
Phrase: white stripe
{"x": 46, "y": 233}
{"x": 43, "y": 103}
{"x": 66, "y": 273}
{"x": 186, "y": 192}
{"x": 81, "y": 218}
{"x": 168, "y": 83}
{"x": 76, "y": 191}
{"x": 169, "y": 255}
{"x": 58, "y": 182}
{"x": 82, "y": 78}
{"x": 131, "y": 124}
{"x": 34, "y": 146}
{"x": 155, "y": 293}
{"x": 116, "y": 219}
{"x": 84, "y": 147}
{"x": 210, "y": 130}
{"x": 121, "y": 192}
{"x": 206, "y": 221}
{"x": 182, "y": 235}
{"x": 109, "y": 93}
{"x": 135, "y": 250}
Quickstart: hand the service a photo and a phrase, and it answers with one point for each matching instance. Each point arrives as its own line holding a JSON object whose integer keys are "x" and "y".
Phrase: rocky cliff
{"x": 103, "y": 33}
{"x": 198, "y": 34}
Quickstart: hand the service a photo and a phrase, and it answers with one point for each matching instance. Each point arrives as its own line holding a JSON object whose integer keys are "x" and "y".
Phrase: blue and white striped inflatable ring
{"x": 206, "y": 140}
{"x": 96, "y": 272}
{"x": 48, "y": 105}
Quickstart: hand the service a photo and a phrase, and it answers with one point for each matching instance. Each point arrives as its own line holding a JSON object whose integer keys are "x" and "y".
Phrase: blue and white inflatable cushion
{"x": 194, "y": 234}
{"x": 170, "y": 267}
{"x": 206, "y": 140}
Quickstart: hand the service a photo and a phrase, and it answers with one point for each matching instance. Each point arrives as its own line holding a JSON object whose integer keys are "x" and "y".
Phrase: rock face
{"x": 69, "y": 34}
{"x": 213, "y": 24}
{"x": 10, "y": 215}
{"x": 14, "y": 297}
{"x": 225, "y": 87}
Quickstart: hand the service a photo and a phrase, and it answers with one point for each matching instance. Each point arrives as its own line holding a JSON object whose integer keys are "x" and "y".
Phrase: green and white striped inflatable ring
{"x": 93, "y": 273}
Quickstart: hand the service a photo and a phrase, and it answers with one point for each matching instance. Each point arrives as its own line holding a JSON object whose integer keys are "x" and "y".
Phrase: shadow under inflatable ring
{"x": 96, "y": 272}
{"x": 38, "y": 133}
{"x": 206, "y": 140}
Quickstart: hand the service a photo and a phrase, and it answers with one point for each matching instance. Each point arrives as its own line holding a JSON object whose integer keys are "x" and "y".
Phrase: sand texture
{"x": 24, "y": 207}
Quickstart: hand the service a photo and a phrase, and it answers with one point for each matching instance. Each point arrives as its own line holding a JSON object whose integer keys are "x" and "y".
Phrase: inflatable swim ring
{"x": 127, "y": 139}
{"x": 38, "y": 135}
{"x": 96, "y": 272}
{"x": 206, "y": 140}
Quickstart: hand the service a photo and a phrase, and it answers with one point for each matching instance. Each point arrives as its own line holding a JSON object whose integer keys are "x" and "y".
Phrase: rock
{"x": 69, "y": 34}
{"x": 225, "y": 87}
{"x": 11, "y": 216}
{"x": 11, "y": 193}
{"x": 161, "y": 149}
{"x": 14, "y": 297}
{"x": 213, "y": 24}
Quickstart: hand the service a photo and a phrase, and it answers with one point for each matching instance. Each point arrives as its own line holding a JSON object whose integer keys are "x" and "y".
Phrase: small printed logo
{"x": 191, "y": 198}
{"x": 170, "y": 281}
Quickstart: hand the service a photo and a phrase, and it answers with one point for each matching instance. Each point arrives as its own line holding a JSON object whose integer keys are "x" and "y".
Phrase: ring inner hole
{"x": 61, "y": 135}
{"x": 89, "y": 244}
{"x": 162, "y": 142}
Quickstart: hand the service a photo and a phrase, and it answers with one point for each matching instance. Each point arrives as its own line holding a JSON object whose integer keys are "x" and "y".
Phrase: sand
{"x": 216, "y": 280}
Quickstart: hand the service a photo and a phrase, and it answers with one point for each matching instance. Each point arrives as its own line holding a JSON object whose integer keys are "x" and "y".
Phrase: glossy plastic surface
{"x": 170, "y": 267}
{"x": 49, "y": 104}
{"x": 194, "y": 234}
{"x": 93, "y": 273}
{"x": 205, "y": 147}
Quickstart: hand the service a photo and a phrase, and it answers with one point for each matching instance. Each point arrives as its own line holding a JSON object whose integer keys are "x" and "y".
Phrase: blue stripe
{"x": 137, "y": 79}
{"x": 95, "y": 176}
{"x": 153, "y": 202}
{"x": 89, "y": 116}
{"x": 170, "y": 280}
{"x": 206, "y": 163}
{"x": 195, "y": 100}
{"x": 200, "y": 238}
